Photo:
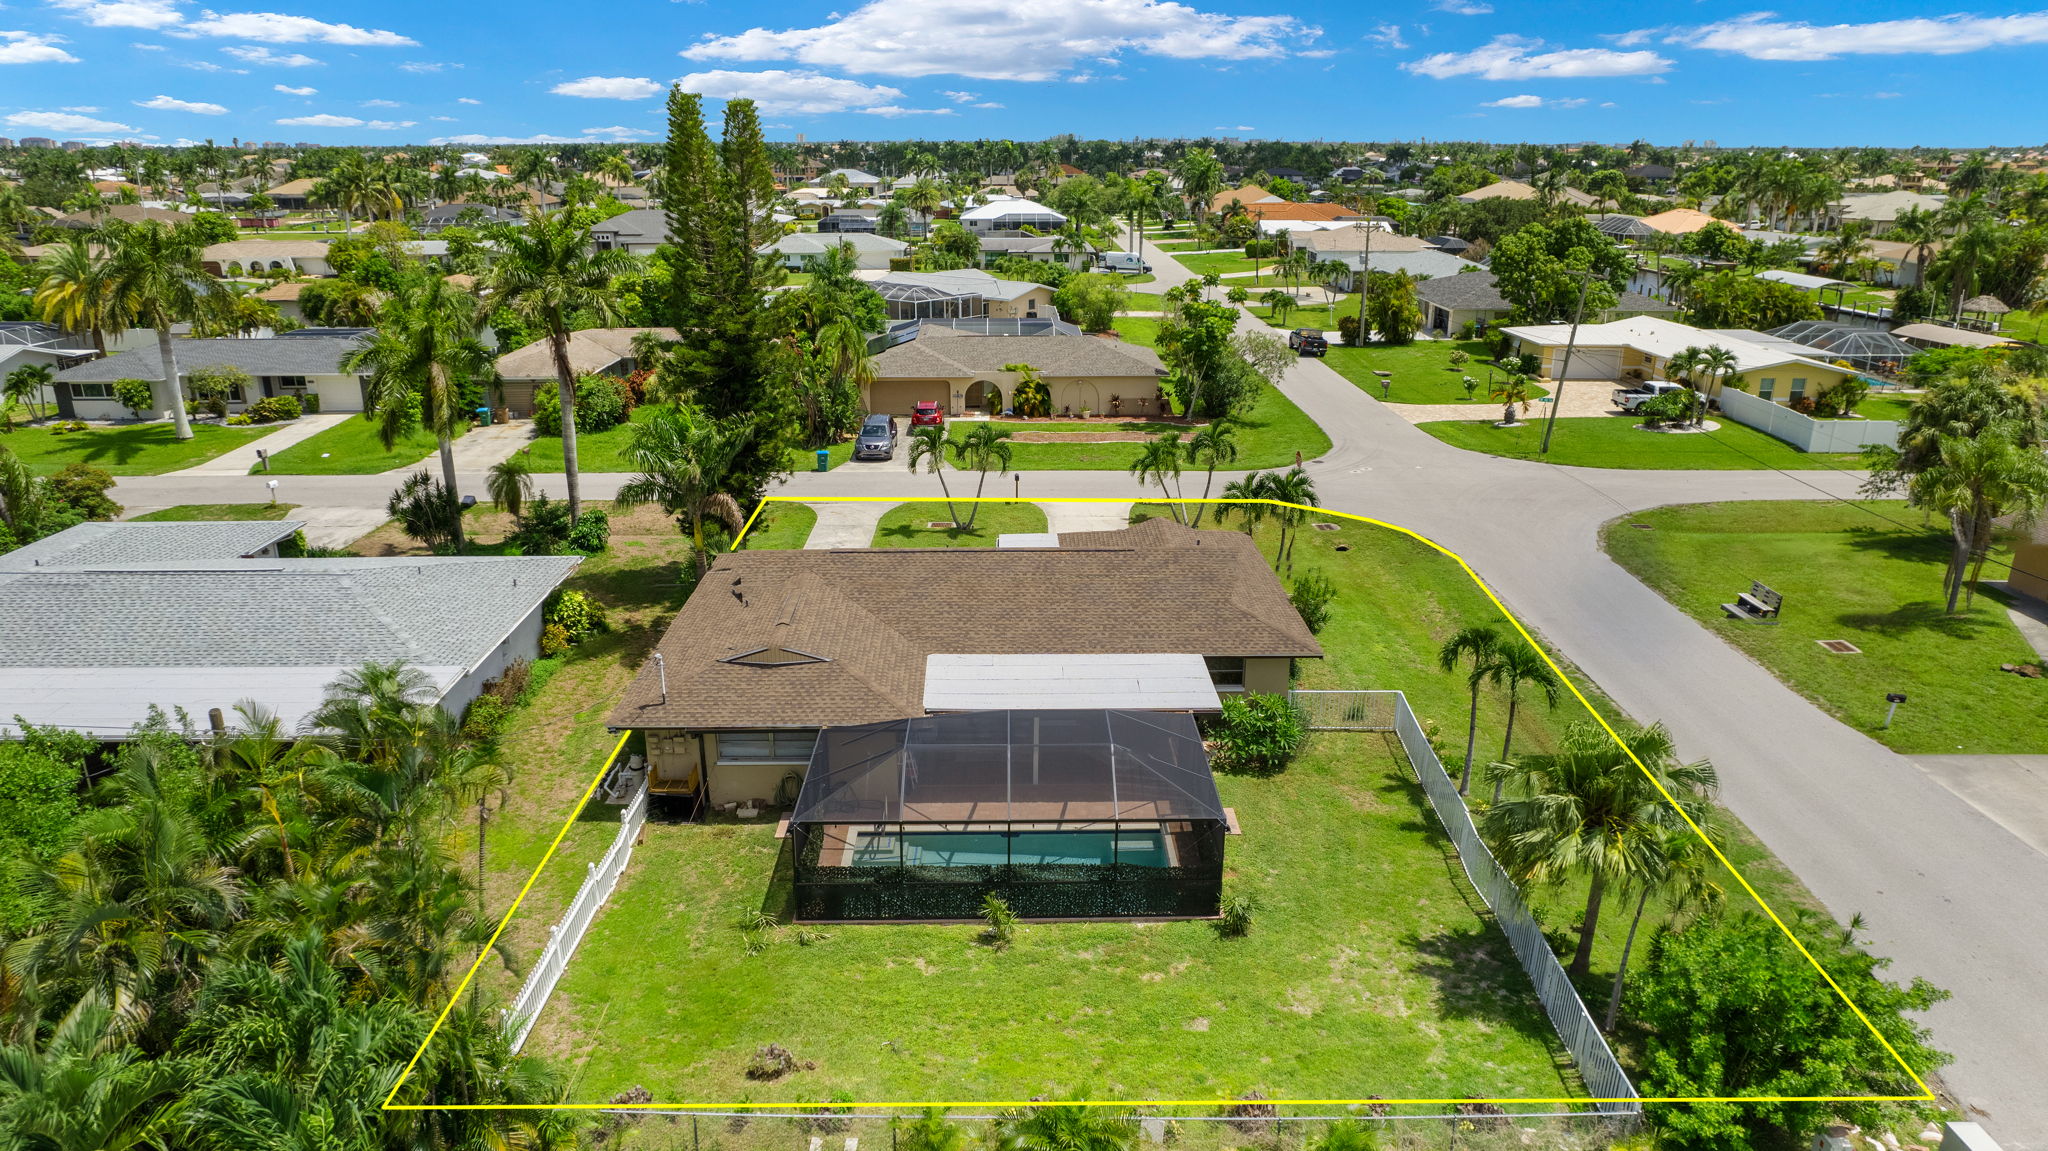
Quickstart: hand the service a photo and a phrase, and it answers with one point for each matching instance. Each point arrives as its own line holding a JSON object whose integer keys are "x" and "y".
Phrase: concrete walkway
{"x": 845, "y": 525}
{"x": 479, "y": 448}
{"x": 1085, "y": 517}
{"x": 238, "y": 461}
{"x": 2011, "y": 790}
{"x": 1577, "y": 402}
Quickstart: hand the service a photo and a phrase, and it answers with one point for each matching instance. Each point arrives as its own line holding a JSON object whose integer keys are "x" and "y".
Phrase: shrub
{"x": 512, "y": 683}
{"x": 543, "y": 527}
{"x": 484, "y": 718}
{"x": 772, "y": 1062}
{"x": 1459, "y": 357}
{"x": 1347, "y": 330}
{"x": 1259, "y": 734}
{"x": 427, "y": 511}
{"x": 577, "y": 613}
{"x": 238, "y": 421}
{"x": 273, "y": 408}
{"x": 602, "y": 403}
{"x": 1237, "y": 916}
{"x": 1002, "y": 922}
{"x": 1311, "y": 594}
{"x": 293, "y": 548}
{"x": 554, "y": 640}
{"x": 83, "y": 490}
{"x": 592, "y": 533}
{"x": 136, "y": 396}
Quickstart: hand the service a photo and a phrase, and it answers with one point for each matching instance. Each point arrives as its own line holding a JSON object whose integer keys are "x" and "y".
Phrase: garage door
{"x": 1592, "y": 363}
{"x": 897, "y": 397}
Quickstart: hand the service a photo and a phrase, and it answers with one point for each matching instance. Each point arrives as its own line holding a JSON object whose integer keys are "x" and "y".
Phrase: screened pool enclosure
{"x": 1065, "y": 814}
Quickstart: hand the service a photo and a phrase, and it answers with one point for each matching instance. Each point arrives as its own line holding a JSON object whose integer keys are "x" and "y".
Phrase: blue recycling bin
{"x": 824, "y": 460}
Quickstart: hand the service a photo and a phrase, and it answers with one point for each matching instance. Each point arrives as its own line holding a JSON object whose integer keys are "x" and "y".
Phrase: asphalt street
{"x": 1945, "y": 891}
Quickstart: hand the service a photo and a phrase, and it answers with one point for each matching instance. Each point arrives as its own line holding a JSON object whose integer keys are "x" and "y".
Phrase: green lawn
{"x": 1138, "y": 330}
{"x": 603, "y": 451}
{"x": 1144, "y": 302}
{"x": 185, "y": 512}
{"x": 1422, "y": 371}
{"x": 781, "y": 526}
{"x": 350, "y": 448}
{"x": 1316, "y": 315}
{"x": 1221, "y": 262}
{"x": 1885, "y": 407}
{"x": 1847, "y": 574}
{"x": 1615, "y": 442}
{"x": 2029, "y": 326}
{"x": 1178, "y": 245}
{"x": 131, "y": 450}
{"x": 903, "y": 526}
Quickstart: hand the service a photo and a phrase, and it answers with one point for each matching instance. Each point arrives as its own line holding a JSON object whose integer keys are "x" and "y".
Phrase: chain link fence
{"x": 1347, "y": 710}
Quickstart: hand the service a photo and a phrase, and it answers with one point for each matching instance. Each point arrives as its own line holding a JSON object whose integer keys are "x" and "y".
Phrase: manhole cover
{"x": 940, "y": 525}
{"x": 1840, "y": 646}
{"x": 1326, "y": 527}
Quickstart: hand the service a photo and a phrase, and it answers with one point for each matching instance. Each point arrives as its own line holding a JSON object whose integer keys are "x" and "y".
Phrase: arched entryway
{"x": 985, "y": 396}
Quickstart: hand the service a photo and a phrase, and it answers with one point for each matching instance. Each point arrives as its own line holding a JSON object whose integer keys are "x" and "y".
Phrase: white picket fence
{"x": 598, "y": 883}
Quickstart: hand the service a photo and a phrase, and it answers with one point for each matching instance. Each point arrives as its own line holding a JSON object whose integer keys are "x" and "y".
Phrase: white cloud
{"x": 986, "y": 104}
{"x": 88, "y": 109}
{"x": 322, "y": 120}
{"x": 30, "y": 48}
{"x": 209, "y": 66}
{"x": 444, "y": 119}
{"x": 255, "y": 54}
{"x": 277, "y": 28}
{"x": 170, "y": 104}
{"x": 288, "y": 90}
{"x": 123, "y": 13}
{"x": 1387, "y": 36}
{"x": 147, "y": 47}
{"x": 1462, "y": 7}
{"x": 1520, "y": 58}
{"x": 1760, "y": 36}
{"x": 608, "y": 88}
{"x": 389, "y": 125}
{"x": 481, "y": 139}
{"x": 382, "y": 104}
{"x": 801, "y": 93}
{"x": 423, "y": 67}
{"x": 64, "y": 122}
{"x": 466, "y": 100}
{"x": 1533, "y": 102}
{"x": 1225, "y": 128}
{"x": 961, "y": 97}
{"x": 617, "y": 132}
{"x": 996, "y": 40}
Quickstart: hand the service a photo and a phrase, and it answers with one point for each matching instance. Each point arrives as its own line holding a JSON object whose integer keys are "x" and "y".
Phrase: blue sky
{"x": 377, "y": 70}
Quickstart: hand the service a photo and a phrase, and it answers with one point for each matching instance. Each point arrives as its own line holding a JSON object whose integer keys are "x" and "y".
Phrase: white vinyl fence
{"x": 1389, "y": 711}
{"x": 1803, "y": 431}
{"x": 563, "y": 937}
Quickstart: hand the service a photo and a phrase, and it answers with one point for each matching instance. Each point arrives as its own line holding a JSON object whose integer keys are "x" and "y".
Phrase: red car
{"x": 926, "y": 414}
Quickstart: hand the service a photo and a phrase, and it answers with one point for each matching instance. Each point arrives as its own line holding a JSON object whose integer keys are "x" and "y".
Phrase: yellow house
{"x": 966, "y": 372}
{"x": 1641, "y": 348}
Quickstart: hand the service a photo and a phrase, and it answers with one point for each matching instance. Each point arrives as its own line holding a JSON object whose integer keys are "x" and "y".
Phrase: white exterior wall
{"x": 337, "y": 393}
{"x": 1803, "y": 431}
{"x": 522, "y": 643}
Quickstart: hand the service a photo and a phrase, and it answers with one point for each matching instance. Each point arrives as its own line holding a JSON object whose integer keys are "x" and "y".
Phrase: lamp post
{"x": 1585, "y": 278}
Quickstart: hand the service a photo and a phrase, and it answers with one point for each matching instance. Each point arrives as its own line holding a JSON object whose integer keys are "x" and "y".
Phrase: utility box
{"x": 1966, "y": 1137}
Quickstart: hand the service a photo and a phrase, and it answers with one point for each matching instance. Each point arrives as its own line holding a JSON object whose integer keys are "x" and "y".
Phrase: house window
{"x": 1798, "y": 388}
{"x": 766, "y": 746}
{"x": 1226, "y": 672}
{"x": 1766, "y": 386}
{"x": 95, "y": 391}
{"x": 291, "y": 383}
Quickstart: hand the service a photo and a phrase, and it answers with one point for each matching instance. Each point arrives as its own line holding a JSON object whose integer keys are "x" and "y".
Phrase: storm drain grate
{"x": 1840, "y": 646}
{"x": 1326, "y": 527}
{"x": 940, "y": 525}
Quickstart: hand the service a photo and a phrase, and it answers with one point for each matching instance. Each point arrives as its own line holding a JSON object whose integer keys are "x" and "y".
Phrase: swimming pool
{"x": 997, "y": 848}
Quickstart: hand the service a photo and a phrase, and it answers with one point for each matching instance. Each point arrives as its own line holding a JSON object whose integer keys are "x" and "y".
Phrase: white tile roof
{"x": 1662, "y": 339}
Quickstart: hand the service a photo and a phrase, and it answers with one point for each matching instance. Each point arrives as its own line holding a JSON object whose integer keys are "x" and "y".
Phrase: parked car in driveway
{"x": 927, "y": 414}
{"x": 877, "y": 438}
{"x": 1308, "y": 342}
{"x": 1635, "y": 395}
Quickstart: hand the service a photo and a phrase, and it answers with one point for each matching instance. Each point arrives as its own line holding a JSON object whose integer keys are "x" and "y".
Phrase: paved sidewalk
{"x": 240, "y": 460}
{"x": 1577, "y": 402}
{"x": 338, "y": 527}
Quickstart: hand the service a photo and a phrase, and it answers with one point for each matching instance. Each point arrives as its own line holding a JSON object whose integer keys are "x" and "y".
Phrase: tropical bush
{"x": 427, "y": 511}
{"x": 81, "y": 490}
{"x": 136, "y": 396}
{"x": 579, "y": 615}
{"x": 602, "y": 403}
{"x": 1258, "y": 734}
{"x": 1001, "y": 929}
{"x": 1311, "y": 594}
{"x": 270, "y": 409}
{"x": 1238, "y": 909}
{"x": 484, "y": 718}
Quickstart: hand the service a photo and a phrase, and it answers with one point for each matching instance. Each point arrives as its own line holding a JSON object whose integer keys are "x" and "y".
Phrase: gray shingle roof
{"x": 642, "y": 223}
{"x": 1053, "y": 355}
{"x": 316, "y": 356}
{"x": 114, "y": 544}
{"x": 1476, "y": 291}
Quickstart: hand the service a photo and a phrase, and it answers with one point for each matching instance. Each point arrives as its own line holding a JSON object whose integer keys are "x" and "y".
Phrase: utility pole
{"x": 1585, "y": 278}
{"x": 1364, "y": 284}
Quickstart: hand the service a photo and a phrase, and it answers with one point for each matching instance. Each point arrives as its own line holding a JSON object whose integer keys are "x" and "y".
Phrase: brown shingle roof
{"x": 1354, "y": 239}
{"x": 871, "y": 616}
{"x": 590, "y": 350}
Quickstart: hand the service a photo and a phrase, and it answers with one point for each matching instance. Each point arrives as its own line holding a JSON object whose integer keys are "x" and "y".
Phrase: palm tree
{"x": 544, "y": 272}
{"x": 1590, "y": 810}
{"x": 1158, "y": 462}
{"x": 1975, "y": 481}
{"x": 1212, "y": 445}
{"x": 1247, "y": 501}
{"x": 1070, "y": 1127}
{"x": 425, "y": 352}
{"x": 1515, "y": 665}
{"x": 931, "y": 1131}
{"x": 510, "y": 483}
{"x": 1922, "y": 229}
{"x": 975, "y": 451}
{"x": 685, "y": 462}
{"x": 1680, "y": 872}
{"x": 1719, "y": 364}
{"x": 928, "y": 447}
{"x": 72, "y": 292}
{"x": 1482, "y": 646}
{"x": 1279, "y": 303}
{"x": 1511, "y": 391}
{"x": 25, "y": 386}
{"x": 1296, "y": 493}
{"x": 155, "y": 279}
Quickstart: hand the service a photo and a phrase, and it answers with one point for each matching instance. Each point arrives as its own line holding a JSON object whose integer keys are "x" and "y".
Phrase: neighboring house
{"x": 963, "y": 294}
{"x": 965, "y": 372}
{"x": 30, "y": 343}
{"x": 449, "y": 215}
{"x": 1450, "y": 302}
{"x": 856, "y": 179}
{"x": 850, "y": 220}
{"x": 1011, "y": 214}
{"x": 126, "y": 213}
{"x": 775, "y": 645}
{"x": 1881, "y": 209}
{"x": 1423, "y": 264}
{"x": 1641, "y": 347}
{"x": 109, "y": 620}
{"x": 1517, "y": 190}
{"x": 2028, "y": 574}
{"x": 1896, "y": 264}
{"x": 1655, "y": 175}
{"x": 284, "y": 297}
{"x": 1683, "y": 221}
{"x": 1044, "y": 249}
{"x": 1621, "y": 226}
{"x": 591, "y": 352}
{"x": 248, "y": 257}
{"x": 1247, "y": 195}
{"x": 294, "y": 195}
{"x": 307, "y": 367}
{"x": 870, "y": 251}
{"x": 1329, "y": 243}
{"x": 639, "y": 230}
{"x": 1289, "y": 211}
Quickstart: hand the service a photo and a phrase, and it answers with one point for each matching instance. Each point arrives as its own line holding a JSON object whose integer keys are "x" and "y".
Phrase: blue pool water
{"x": 995, "y": 848}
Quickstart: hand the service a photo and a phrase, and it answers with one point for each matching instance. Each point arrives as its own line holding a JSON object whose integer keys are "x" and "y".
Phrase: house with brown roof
{"x": 591, "y": 352}
{"x": 775, "y": 646}
{"x": 963, "y": 371}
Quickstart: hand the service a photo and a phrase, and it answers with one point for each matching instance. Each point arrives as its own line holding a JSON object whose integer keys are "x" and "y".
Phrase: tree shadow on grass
{"x": 912, "y": 535}
{"x": 1906, "y": 544}
{"x": 1919, "y": 616}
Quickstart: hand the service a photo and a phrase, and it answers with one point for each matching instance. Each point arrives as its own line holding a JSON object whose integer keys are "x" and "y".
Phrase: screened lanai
{"x": 1065, "y": 814}
{"x": 1865, "y": 349}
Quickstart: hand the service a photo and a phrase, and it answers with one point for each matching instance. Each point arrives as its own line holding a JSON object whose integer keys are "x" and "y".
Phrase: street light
{"x": 1585, "y": 278}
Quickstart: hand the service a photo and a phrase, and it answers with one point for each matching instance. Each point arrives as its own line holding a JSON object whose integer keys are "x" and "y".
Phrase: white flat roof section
{"x": 961, "y": 682}
{"x": 107, "y": 702}
{"x": 1028, "y": 540}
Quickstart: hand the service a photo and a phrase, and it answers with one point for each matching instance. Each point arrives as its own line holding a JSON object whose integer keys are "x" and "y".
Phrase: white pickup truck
{"x": 1630, "y": 398}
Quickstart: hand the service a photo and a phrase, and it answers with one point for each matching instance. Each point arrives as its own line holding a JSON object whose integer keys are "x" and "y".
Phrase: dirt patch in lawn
{"x": 1080, "y": 437}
